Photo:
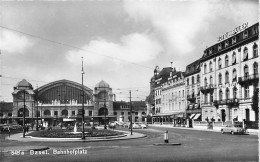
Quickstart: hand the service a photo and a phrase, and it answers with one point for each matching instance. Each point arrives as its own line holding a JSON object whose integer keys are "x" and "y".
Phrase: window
{"x": 234, "y": 75}
{"x": 10, "y": 114}
{"x": 122, "y": 113}
{"x": 235, "y": 92}
{"x": 182, "y": 93}
{"x": 198, "y": 78}
{"x": 187, "y": 81}
{"x": 211, "y": 80}
{"x": 205, "y": 98}
{"x": 205, "y": 68}
{"x": 211, "y": 97}
{"x": 219, "y": 46}
{"x": 245, "y": 54}
{"x": 255, "y": 50}
{"x": 227, "y": 93}
{"x": 220, "y": 78}
{"x": 219, "y": 63}
{"x": 255, "y": 68}
{"x": 115, "y": 113}
{"x": 89, "y": 113}
{"x": 192, "y": 80}
{"x": 210, "y": 51}
{"x": 234, "y": 58}
{"x": 234, "y": 40}
{"x": 245, "y": 34}
{"x": 56, "y": 113}
{"x": 220, "y": 95}
{"x": 210, "y": 66}
{"x": 73, "y": 113}
{"x": 246, "y": 91}
{"x": 226, "y": 43}
{"x": 227, "y": 77}
{"x": 226, "y": 61}
{"x": 205, "y": 81}
{"x": 136, "y": 113}
{"x": 128, "y": 113}
{"x": 246, "y": 73}
{"x": 254, "y": 30}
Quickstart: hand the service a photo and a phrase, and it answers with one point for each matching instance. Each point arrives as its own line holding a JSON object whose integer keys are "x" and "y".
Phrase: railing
{"x": 191, "y": 97}
{"x": 248, "y": 78}
{"x": 208, "y": 87}
{"x": 231, "y": 101}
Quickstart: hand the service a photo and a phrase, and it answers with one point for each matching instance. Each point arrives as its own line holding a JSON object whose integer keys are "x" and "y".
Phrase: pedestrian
{"x": 9, "y": 131}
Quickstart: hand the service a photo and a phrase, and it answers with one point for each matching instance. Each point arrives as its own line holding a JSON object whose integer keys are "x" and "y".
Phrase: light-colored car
{"x": 143, "y": 125}
{"x": 135, "y": 126}
{"x": 233, "y": 129}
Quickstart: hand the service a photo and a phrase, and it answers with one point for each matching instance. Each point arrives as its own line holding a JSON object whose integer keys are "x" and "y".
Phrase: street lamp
{"x": 83, "y": 112}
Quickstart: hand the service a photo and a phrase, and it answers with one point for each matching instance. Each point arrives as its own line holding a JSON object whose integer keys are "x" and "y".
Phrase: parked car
{"x": 126, "y": 125}
{"x": 233, "y": 129}
{"x": 135, "y": 126}
{"x": 143, "y": 125}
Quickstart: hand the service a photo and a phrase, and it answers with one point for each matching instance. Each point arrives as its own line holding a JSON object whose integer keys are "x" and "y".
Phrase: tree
{"x": 255, "y": 105}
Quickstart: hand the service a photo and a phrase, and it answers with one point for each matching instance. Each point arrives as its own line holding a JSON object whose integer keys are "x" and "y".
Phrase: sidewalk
{"x": 250, "y": 131}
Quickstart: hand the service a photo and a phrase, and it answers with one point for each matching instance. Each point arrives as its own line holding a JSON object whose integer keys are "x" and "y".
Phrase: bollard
{"x": 166, "y": 137}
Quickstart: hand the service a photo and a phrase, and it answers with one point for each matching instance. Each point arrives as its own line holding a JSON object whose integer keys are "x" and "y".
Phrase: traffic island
{"x": 167, "y": 144}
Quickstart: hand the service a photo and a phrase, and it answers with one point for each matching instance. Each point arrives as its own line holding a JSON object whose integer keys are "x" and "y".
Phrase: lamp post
{"x": 83, "y": 112}
{"x": 23, "y": 113}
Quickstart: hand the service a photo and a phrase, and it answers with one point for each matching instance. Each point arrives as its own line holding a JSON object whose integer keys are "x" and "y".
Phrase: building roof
{"x": 228, "y": 45}
{"x": 6, "y": 107}
{"x": 193, "y": 68}
{"x": 102, "y": 84}
{"x": 24, "y": 84}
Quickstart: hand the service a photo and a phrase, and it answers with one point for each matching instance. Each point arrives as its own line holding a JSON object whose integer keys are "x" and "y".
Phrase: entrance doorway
{"x": 223, "y": 115}
{"x": 103, "y": 112}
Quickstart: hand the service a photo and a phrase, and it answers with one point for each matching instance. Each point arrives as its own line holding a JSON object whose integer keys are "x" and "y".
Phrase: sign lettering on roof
{"x": 233, "y": 32}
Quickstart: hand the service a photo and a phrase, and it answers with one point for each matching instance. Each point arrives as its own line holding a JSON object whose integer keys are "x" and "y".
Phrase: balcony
{"x": 207, "y": 88}
{"x": 248, "y": 79}
{"x": 231, "y": 101}
{"x": 245, "y": 100}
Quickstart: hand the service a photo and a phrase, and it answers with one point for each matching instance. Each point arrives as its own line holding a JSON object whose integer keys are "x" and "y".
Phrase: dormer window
{"x": 219, "y": 46}
{"x": 226, "y": 43}
{"x": 234, "y": 40}
{"x": 210, "y": 51}
{"x": 245, "y": 34}
{"x": 254, "y": 30}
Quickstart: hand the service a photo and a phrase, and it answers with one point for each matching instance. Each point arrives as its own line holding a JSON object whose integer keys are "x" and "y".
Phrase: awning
{"x": 192, "y": 115}
{"x": 197, "y": 116}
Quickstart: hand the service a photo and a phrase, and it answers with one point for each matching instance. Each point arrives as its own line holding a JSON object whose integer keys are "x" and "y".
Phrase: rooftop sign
{"x": 233, "y": 32}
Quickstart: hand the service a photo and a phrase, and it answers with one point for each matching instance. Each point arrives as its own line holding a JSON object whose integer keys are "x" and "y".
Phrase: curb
{"x": 29, "y": 149}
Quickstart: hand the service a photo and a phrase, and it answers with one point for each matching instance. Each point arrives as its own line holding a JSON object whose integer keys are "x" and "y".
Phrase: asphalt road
{"x": 195, "y": 146}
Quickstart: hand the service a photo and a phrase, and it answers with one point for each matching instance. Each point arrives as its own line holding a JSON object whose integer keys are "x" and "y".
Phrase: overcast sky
{"x": 121, "y": 41}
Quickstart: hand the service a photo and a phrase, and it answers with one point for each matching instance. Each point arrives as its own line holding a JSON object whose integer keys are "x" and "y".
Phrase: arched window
{"x": 46, "y": 112}
{"x": 219, "y": 63}
{"x": 205, "y": 81}
{"x": 234, "y": 58}
{"x": 220, "y": 78}
{"x": 226, "y": 61}
{"x": 255, "y": 68}
{"x": 210, "y": 66}
{"x": 205, "y": 68}
{"x": 192, "y": 80}
{"x": 234, "y": 75}
{"x": 227, "y": 93}
{"x": 227, "y": 77}
{"x": 234, "y": 40}
{"x": 211, "y": 80}
{"x": 198, "y": 78}
{"x": 235, "y": 92}
{"x": 64, "y": 112}
{"x": 255, "y": 50}
{"x": 245, "y": 54}
{"x": 220, "y": 95}
{"x": 246, "y": 71}
{"x": 245, "y": 34}
{"x": 188, "y": 81}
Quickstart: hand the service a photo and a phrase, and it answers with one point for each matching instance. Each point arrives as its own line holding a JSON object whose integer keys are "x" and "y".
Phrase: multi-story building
{"x": 229, "y": 75}
{"x": 122, "y": 111}
{"x": 192, "y": 84}
{"x": 170, "y": 97}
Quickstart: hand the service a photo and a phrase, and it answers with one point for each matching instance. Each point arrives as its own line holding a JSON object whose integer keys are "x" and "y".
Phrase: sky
{"x": 121, "y": 42}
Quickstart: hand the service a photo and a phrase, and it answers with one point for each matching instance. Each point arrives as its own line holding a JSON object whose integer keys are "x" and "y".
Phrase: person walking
{"x": 9, "y": 131}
